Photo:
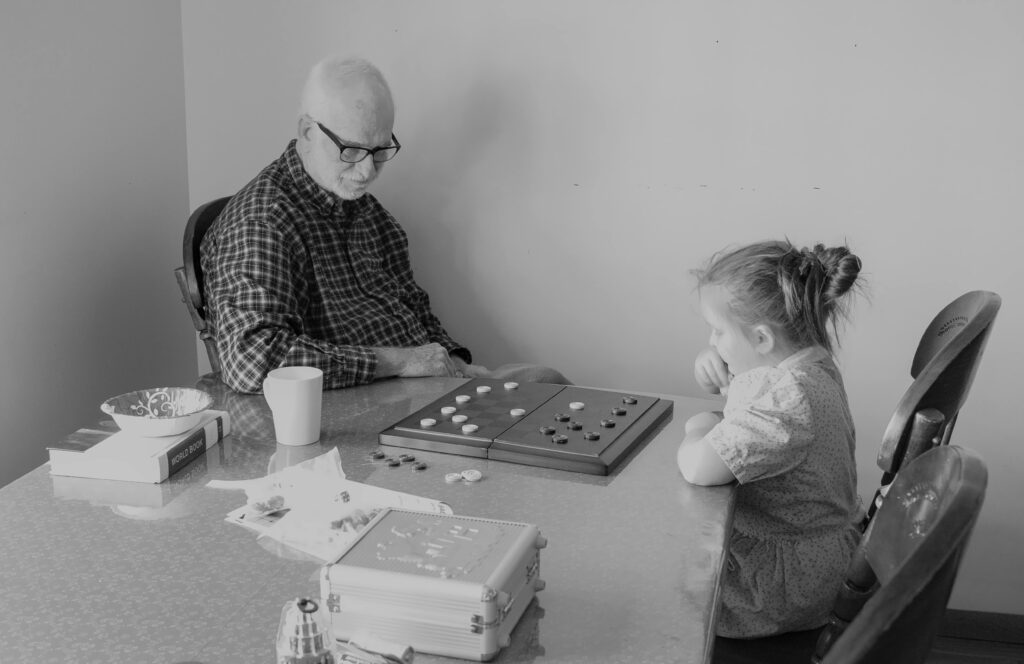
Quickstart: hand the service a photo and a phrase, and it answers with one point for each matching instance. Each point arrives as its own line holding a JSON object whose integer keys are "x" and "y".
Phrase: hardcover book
{"x": 134, "y": 494}
{"x": 104, "y": 453}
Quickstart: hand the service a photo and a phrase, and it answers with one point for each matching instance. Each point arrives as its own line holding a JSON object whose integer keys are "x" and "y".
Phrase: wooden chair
{"x": 894, "y": 597}
{"x": 190, "y": 274}
{"x": 943, "y": 370}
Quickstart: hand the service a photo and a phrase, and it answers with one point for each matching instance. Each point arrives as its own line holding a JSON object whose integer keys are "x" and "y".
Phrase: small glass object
{"x": 302, "y": 635}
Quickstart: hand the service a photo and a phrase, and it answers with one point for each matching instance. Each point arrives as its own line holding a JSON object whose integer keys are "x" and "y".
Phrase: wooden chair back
{"x": 190, "y": 275}
{"x": 943, "y": 370}
{"x": 894, "y": 598}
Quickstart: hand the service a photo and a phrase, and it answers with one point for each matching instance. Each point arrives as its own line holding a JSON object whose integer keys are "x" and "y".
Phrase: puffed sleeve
{"x": 766, "y": 429}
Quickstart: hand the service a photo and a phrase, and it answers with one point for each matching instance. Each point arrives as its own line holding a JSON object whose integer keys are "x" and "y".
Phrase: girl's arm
{"x": 698, "y": 461}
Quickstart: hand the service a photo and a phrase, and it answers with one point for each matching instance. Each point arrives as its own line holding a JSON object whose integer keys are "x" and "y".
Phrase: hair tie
{"x": 807, "y": 260}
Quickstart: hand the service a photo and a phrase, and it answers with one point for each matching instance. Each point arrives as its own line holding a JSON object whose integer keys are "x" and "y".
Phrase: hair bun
{"x": 840, "y": 267}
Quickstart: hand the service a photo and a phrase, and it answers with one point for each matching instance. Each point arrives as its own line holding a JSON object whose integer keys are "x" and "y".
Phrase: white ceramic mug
{"x": 295, "y": 396}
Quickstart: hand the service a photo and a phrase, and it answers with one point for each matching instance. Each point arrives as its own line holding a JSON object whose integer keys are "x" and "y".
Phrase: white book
{"x": 121, "y": 455}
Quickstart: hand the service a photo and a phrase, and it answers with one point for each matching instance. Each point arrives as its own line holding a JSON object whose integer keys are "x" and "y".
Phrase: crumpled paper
{"x": 311, "y": 508}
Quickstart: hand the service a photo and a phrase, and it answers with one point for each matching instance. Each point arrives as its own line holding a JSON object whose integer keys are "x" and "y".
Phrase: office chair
{"x": 943, "y": 370}
{"x": 893, "y": 600}
{"x": 190, "y": 274}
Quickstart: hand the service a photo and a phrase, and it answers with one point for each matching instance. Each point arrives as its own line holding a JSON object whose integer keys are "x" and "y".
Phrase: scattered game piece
{"x": 378, "y": 455}
{"x": 511, "y": 385}
{"x": 406, "y": 458}
{"x": 517, "y": 412}
{"x": 631, "y": 401}
{"x": 472, "y": 475}
{"x": 574, "y": 426}
{"x": 469, "y": 428}
{"x": 592, "y": 435}
{"x": 562, "y": 417}
{"x": 608, "y": 424}
{"x": 427, "y": 422}
{"x": 394, "y": 462}
{"x": 559, "y": 439}
{"x": 462, "y": 398}
{"x": 459, "y": 419}
{"x": 618, "y": 412}
{"x": 448, "y": 410}
{"x": 576, "y": 405}
{"x": 451, "y": 478}
{"x": 547, "y": 431}
{"x": 483, "y": 389}
{"x": 419, "y": 466}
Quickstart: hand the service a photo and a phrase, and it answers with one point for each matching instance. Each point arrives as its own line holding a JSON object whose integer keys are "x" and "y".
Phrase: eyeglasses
{"x": 352, "y": 154}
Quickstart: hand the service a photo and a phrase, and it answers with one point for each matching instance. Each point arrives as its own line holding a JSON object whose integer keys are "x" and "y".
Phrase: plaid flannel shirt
{"x": 293, "y": 275}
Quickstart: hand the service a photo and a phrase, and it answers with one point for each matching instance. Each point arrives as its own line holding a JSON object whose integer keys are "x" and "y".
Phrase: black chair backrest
{"x": 190, "y": 274}
{"x": 943, "y": 370}
{"x": 903, "y": 570}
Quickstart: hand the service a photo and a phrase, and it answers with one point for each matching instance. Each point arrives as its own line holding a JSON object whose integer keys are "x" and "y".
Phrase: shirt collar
{"x": 807, "y": 355}
{"x": 324, "y": 201}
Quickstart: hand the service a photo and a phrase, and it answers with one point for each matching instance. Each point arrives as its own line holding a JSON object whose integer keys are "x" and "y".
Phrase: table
{"x": 99, "y": 571}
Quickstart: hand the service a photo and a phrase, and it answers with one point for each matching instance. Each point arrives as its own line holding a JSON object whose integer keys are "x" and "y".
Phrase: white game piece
{"x": 576, "y": 405}
{"x": 469, "y": 428}
{"x": 427, "y": 422}
{"x": 472, "y": 475}
{"x": 462, "y": 398}
{"x": 517, "y": 412}
{"x": 447, "y": 410}
{"x": 459, "y": 419}
{"x": 452, "y": 477}
{"x": 483, "y": 389}
{"x": 511, "y": 385}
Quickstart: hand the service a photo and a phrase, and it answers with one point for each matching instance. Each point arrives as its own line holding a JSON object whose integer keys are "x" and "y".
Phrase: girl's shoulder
{"x": 764, "y": 382}
{"x": 814, "y": 366}
{"x": 804, "y": 371}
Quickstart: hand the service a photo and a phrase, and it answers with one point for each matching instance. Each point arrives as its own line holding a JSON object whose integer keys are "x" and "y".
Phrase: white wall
{"x": 93, "y": 202}
{"x": 566, "y": 163}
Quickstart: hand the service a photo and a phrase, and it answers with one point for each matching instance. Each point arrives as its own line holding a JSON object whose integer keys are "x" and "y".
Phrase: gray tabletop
{"x": 95, "y": 571}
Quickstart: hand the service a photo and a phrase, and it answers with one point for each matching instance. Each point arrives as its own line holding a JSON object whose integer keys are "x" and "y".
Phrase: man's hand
{"x": 711, "y": 371}
{"x": 463, "y": 370}
{"x": 427, "y": 360}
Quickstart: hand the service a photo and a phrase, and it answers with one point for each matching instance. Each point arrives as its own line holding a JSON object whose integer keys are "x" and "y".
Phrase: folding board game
{"x": 539, "y": 424}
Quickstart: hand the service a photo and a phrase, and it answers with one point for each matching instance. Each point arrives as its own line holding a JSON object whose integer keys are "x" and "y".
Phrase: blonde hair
{"x": 799, "y": 292}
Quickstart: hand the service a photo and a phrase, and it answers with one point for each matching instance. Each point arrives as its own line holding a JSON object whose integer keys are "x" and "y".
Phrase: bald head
{"x": 347, "y": 86}
{"x": 345, "y": 101}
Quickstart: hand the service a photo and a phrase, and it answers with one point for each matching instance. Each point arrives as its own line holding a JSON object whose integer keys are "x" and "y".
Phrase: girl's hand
{"x": 711, "y": 371}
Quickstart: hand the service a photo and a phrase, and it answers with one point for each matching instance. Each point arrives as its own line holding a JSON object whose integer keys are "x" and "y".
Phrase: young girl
{"x": 786, "y": 434}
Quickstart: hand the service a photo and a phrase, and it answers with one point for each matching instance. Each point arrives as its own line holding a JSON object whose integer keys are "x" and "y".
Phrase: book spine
{"x": 193, "y": 446}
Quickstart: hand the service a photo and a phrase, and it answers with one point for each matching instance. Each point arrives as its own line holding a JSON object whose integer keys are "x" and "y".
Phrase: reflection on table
{"x": 111, "y": 571}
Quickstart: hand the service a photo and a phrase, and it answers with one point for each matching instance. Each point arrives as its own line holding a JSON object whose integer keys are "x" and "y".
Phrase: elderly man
{"x": 304, "y": 267}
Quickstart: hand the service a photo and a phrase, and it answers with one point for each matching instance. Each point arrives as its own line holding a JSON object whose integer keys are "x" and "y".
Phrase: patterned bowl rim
{"x": 205, "y": 401}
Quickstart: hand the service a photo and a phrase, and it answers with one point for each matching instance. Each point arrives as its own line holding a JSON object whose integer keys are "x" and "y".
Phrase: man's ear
{"x": 764, "y": 339}
{"x": 306, "y": 126}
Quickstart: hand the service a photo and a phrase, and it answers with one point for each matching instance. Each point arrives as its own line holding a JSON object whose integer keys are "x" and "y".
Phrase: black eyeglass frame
{"x": 372, "y": 152}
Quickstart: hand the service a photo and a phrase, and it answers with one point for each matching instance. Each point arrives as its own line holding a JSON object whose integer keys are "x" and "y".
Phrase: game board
{"x": 539, "y": 424}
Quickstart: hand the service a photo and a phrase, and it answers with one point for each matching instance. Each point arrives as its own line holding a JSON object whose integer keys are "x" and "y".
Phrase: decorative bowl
{"x": 158, "y": 411}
